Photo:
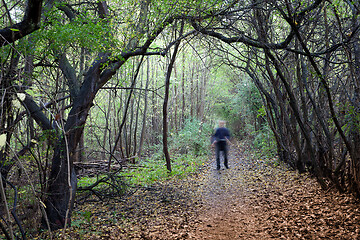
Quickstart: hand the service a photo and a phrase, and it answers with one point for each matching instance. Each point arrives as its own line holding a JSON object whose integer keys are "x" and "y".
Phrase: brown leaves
{"x": 254, "y": 199}
{"x": 272, "y": 202}
{"x": 293, "y": 206}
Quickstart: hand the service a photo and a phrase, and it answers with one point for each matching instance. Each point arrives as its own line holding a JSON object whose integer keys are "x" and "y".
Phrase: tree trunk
{"x": 136, "y": 122}
{"x": 126, "y": 108}
{"x": 165, "y": 105}
{"x": 61, "y": 194}
{"x": 30, "y": 23}
{"x": 355, "y": 122}
{"x": 183, "y": 91}
{"x": 145, "y": 109}
{"x": 62, "y": 181}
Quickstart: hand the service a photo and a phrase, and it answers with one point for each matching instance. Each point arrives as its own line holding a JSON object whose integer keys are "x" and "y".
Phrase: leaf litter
{"x": 254, "y": 199}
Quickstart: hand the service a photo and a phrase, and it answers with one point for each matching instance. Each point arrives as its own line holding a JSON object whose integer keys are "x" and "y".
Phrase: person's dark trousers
{"x": 221, "y": 146}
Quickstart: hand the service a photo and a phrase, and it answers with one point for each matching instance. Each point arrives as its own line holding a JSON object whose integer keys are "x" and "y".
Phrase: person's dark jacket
{"x": 221, "y": 134}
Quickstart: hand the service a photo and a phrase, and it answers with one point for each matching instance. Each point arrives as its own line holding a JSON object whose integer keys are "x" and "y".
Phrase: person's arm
{"x": 228, "y": 137}
{"x": 214, "y": 138}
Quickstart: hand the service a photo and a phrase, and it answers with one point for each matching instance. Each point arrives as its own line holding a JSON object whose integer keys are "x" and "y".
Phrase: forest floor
{"x": 253, "y": 199}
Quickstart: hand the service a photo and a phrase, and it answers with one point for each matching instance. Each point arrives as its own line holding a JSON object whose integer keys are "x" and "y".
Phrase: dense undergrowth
{"x": 190, "y": 151}
{"x": 148, "y": 190}
{"x": 263, "y": 199}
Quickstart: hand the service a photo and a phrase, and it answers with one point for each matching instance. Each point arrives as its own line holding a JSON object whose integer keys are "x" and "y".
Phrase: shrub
{"x": 193, "y": 139}
{"x": 264, "y": 141}
{"x": 153, "y": 169}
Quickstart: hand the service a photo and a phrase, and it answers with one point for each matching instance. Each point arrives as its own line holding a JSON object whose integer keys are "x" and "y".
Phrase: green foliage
{"x": 5, "y": 53}
{"x": 86, "y": 215}
{"x": 153, "y": 169}
{"x": 193, "y": 139}
{"x": 264, "y": 141}
{"x": 247, "y": 100}
{"x": 261, "y": 112}
{"x": 243, "y": 108}
{"x": 87, "y": 181}
{"x": 187, "y": 150}
{"x": 106, "y": 184}
{"x": 194, "y": 7}
{"x": 352, "y": 118}
{"x": 82, "y": 31}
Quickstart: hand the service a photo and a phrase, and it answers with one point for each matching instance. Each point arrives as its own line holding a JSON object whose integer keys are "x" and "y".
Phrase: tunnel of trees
{"x": 118, "y": 81}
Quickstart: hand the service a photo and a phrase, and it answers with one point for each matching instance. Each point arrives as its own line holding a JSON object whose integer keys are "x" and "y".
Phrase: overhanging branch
{"x": 29, "y": 24}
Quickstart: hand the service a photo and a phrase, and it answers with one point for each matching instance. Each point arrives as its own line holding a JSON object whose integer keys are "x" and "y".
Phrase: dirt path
{"x": 254, "y": 199}
{"x": 226, "y": 213}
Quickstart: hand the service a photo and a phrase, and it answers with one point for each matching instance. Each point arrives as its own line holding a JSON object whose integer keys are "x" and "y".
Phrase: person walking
{"x": 220, "y": 140}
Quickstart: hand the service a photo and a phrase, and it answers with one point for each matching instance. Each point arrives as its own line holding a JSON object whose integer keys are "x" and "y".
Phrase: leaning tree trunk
{"x": 62, "y": 181}
{"x": 165, "y": 105}
{"x": 61, "y": 194}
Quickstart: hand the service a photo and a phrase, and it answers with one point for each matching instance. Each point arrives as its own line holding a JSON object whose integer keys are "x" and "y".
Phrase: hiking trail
{"x": 253, "y": 199}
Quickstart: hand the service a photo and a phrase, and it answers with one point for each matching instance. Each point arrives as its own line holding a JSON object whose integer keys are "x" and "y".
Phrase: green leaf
{"x": 2, "y": 140}
{"x": 21, "y": 96}
{"x": 16, "y": 103}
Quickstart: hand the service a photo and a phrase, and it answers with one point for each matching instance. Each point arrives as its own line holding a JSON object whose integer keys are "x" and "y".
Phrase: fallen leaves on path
{"x": 273, "y": 202}
{"x": 254, "y": 199}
